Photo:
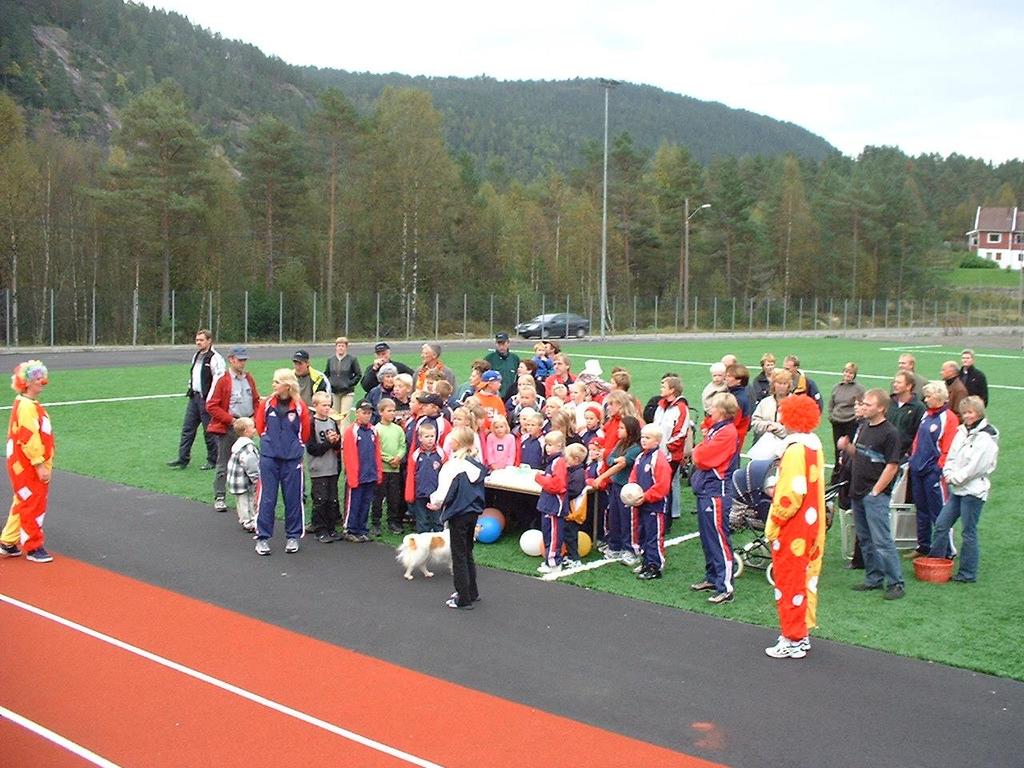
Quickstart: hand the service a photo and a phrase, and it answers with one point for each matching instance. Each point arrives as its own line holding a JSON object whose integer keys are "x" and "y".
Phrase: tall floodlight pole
{"x": 686, "y": 254}
{"x": 607, "y": 85}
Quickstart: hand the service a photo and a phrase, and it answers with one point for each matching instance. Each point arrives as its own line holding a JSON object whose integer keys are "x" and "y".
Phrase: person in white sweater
{"x": 971, "y": 460}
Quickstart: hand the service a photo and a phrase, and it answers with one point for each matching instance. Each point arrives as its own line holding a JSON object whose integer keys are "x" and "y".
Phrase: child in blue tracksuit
{"x": 712, "y": 460}
{"x": 594, "y": 468}
{"x": 425, "y": 461}
{"x": 553, "y": 504}
{"x": 652, "y": 472}
{"x": 576, "y": 492}
{"x": 364, "y": 471}
{"x": 282, "y": 422}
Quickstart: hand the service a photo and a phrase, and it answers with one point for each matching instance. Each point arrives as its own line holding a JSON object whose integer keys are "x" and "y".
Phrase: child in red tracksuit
{"x": 710, "y": 482}
{"x": 652, "y": 472}
{"x": 553, "y": 504}
{"x": 364, "y": 471}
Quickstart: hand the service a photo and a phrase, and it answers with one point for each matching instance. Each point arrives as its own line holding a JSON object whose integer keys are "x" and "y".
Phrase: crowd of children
{"x": 586, "y": 438}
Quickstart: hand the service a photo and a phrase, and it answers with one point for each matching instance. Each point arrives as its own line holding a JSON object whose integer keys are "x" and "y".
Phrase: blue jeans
{"x": 881, "y": 561}
{"x": 968, "y": 509}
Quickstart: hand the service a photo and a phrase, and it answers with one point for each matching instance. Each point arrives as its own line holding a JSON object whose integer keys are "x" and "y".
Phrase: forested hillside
{"x": 366, "y": 203}
{"x": 82, "y": 60}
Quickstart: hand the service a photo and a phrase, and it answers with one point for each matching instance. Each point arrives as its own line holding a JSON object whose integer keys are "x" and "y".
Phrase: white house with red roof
{"x": 998, "y": 236}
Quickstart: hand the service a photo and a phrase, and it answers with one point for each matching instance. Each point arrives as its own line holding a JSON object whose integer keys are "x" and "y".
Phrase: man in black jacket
{"x": 973, "y": 379}
{"x": 343, "y": 372}
{"x": 207, "y": 366}
{"x": 382, "y": 350}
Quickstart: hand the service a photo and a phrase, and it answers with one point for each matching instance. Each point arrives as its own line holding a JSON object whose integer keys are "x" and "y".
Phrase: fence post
{"x": 785, "y": 312}
{"x": 814, "y": 320}
{"x": 209, "y": 311}
{"x": 135, "y": 316}
{"x": 655, "y": 314}
{"x": 280, "y": 317}
{"x": 846, "y": 314}
{"x": 174, "y": 311}
{"x": 911, "y": 313}
{"x": 800, "y": 314}
{"x": 714, "y": 315}
{"x": 768, "y": 314}
{"x": 899, "y": 312}
{"x": 7, "y": 314}
{"x": 92, "y": 334}
{"x": 634, "y": 314}
{"x": 677, "y": 315}
{"x": 53, "y": 313}
{"x": 750, "y": 314}
{"x": 566, "y": 316}
{"x": 968, "y": 311}
{"x": 696, "y": 303}
{"x": 936, "y": 307}
{"x": 733, "y": 329}
{"x": 437, "y": 315}
{"x": 490, "y": 332}
{"x": 346, "y": 313}
{"x": 245, "y": 332}
{"x": 543, "y": 309}
{"x": 465, "y": 306}
{"x": 860, "y": 303}
{"x": 517, "y": 308}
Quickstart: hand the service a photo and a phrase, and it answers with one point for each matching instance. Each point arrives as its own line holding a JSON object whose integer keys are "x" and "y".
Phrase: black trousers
{"x": 390, "y": 491}
{"x": 461, "y": 530}
{"x": 195, "y": 415}
{"x": 326, "y": 513}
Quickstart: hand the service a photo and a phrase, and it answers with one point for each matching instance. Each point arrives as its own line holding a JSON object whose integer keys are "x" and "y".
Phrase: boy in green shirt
{"x": 392, "y": 450}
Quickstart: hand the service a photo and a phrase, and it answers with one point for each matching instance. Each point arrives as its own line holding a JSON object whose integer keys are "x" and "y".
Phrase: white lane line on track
{"x": 224, "y": 686}
{"x": 805, "y": 370}
{"x": 56, "y": 738}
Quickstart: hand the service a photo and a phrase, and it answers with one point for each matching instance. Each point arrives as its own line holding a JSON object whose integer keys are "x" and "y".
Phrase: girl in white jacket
{"x": 972, "y": 458}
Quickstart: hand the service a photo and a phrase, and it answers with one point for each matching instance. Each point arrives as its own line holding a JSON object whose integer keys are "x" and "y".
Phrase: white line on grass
{"x": 606, "y": 561}
{"x": 949, "y": 352}
{"x": 224, "y": 686}
{"x": 56, "y": 738}
{"x": 805, "y": 370}
{"x": 104, "y": 400}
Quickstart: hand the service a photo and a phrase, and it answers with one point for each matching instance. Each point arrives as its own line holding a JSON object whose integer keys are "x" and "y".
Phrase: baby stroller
{"x": 753, "y": 487}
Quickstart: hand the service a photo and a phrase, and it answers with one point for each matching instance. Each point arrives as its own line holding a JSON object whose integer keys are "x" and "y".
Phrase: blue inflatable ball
{"x": 487, "y": 530}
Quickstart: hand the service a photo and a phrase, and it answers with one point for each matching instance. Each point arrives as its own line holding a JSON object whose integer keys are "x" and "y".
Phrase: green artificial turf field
{"x": 969, "y": 625}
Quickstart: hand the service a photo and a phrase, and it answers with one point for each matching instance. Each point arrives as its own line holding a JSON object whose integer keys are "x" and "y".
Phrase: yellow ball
{"x": 584, "y": 544}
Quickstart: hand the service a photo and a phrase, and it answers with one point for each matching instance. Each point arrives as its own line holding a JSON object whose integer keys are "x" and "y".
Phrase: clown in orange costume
{"x": 796, "y": 527}
{"x": 29, "y": 464}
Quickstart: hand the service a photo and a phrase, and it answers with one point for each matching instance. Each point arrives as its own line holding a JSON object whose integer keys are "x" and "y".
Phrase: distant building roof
{"x": 998, "y": 220}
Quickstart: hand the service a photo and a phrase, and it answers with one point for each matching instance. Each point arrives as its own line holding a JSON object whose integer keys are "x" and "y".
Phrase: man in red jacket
{"x": 232, "y": 396}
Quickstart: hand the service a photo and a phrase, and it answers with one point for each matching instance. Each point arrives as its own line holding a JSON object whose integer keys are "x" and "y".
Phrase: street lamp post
{"x": 607, "y": 85}
{"x": 685, "y": 277}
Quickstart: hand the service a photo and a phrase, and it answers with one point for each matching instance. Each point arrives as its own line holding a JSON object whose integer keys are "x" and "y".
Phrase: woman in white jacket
{"x": 972, "y": 458}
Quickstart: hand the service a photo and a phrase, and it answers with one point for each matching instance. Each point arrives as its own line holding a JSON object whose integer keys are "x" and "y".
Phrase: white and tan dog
{"x": 420, "y": 549}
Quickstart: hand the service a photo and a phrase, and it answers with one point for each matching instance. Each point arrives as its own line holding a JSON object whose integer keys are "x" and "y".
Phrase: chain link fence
{"x": 97, "y": 318}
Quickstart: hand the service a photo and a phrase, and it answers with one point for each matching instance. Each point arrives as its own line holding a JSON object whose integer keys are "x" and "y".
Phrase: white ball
{"x": 632, "y": 494}
{"x": 532, "y": 542}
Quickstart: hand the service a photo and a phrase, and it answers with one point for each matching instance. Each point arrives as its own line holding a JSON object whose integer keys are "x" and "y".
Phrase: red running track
{"x": 136, "y": 711}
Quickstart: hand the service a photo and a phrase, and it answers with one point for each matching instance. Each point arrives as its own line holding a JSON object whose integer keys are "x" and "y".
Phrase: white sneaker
{"x": 262, "y": 547}
{"x": 786, "y": 649}
{"x": 628, "y": 558}
{"x": 292, "y": 545}
{"x": 638, "y": 568}
{"x": 544, "y": 568}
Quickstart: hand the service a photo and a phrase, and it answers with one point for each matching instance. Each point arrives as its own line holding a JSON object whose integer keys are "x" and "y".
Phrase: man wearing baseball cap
{"x": 310, "y": 379}
{"x": 382, "y": 352}
{"x": 232, "y": 396}
{"x": 506, "y": 363}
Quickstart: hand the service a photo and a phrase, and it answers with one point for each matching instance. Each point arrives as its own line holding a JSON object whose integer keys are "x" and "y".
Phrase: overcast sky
{"x": 925, "y": 76}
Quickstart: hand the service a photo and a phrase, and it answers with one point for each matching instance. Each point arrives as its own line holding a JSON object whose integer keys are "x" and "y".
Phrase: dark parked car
{"x": 561, "y": 325}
